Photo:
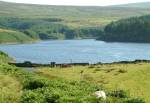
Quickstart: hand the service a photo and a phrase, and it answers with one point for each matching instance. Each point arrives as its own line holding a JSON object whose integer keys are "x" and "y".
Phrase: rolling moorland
{"x": 122, "y": 83}
{"x": 43, "y": 22}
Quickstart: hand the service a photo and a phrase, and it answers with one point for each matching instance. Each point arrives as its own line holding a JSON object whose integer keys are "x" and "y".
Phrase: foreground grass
{"x": 10, "y": 89}
{"x": 72, "y": 85}
{"x": 34, "y": 88}
{"x": 130, "y": 77}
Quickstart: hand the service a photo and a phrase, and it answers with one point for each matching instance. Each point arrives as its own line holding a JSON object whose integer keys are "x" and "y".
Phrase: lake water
{"x": 67, "y": 51}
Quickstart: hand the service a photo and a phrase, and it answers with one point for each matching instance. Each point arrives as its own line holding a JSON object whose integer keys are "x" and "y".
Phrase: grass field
{"x": 10, "y": 89}
{"x": 73, "y": 85}
{"x": 11, "y": 36}
{"x": 134, "y": 78}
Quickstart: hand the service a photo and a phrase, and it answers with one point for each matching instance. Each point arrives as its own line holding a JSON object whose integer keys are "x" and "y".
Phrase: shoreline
{"x": 54, "y": 64}
{"x": 35, "y": 41}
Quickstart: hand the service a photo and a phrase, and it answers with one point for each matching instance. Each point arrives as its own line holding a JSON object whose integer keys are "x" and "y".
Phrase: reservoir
{"x": 77, "y": 51}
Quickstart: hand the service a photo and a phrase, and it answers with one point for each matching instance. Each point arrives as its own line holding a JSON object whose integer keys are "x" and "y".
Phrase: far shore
{"x": 54, "y": 64}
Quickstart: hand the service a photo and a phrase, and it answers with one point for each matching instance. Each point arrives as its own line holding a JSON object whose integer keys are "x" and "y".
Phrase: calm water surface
{"x": 66, "y": 51}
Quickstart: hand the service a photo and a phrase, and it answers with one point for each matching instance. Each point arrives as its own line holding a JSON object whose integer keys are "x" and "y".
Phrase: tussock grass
{"x": 10, "y": 89}
{"x": 130, "y": 77}
{"x": 72, "y": 85}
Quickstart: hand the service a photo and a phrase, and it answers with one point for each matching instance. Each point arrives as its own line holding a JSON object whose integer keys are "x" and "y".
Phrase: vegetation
{"x": 4, "y": 58}
{"x": 135, "y": 5}
{"x": 132, "y": 78}
{"x": 42, "y": 22}
{"x": 71, "y": 14}
{"x": 11, "y": 36}
{"x": 123, "y": 83}
{"x": 42, "y": 29}
{"x": 135, "y": 29}
{"x": 10, "y": 89}
{"x": 19, "y": 86}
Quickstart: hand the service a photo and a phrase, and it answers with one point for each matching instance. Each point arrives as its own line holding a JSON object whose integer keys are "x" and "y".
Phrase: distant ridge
{"x": 134, "y": 5}
{"x": 44, "y": 22}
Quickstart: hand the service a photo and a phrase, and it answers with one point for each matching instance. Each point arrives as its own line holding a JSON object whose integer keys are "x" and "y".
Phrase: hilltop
{"x": 135, "y": 5}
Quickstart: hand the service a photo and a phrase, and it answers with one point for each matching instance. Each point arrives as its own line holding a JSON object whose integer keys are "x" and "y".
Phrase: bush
{"x": 40, "y": 95}
{"x": 119, "y": 94}
{"x": 122, "y": 71}
{"x": 134, "y": 100}
{"x": 32, "y": 97}
{"x": 51, "y": 97}
{"x": 34, "y": 84}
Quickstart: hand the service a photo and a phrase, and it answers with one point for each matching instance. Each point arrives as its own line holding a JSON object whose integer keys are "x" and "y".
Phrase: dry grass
{"x": 134, "y": 78}
{"x": 6, "y": 30}
{"x": 10, "y": 89}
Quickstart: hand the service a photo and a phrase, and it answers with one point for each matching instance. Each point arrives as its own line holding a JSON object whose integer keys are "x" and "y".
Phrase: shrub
{"x": 119, "y": 94}
{"x": 32, "y": 97}
{"x": 51, "y": 97}
{"x": 34, "y": 84}
{"x": 134, "y": 100}
{"x": 122, "y": 71}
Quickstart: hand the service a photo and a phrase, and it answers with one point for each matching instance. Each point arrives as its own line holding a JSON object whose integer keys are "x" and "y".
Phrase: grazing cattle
{"x": 100, "y": 94}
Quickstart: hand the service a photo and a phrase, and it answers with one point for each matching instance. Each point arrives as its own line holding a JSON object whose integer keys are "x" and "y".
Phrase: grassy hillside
{"x": 10, "y": 36}
{"x": 10, "y": 89}
{"x": 75, "y": 16}
{"x": 133, "y": 78}
{"x": 4, "y": 58}
{"x": 49, "y": 28}
{"x": 135, "y": 5}
{"x": 41, "y": 22}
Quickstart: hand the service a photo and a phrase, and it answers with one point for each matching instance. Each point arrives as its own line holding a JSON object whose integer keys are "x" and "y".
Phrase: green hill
{"x": 135, "y": 29}
{"x": 135, "y": 5}
{"x": 72, "y": 15}
{"x": 42, "y": 22}
{"x": 10, "y": 36}
{"x": 4, "y": 58}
